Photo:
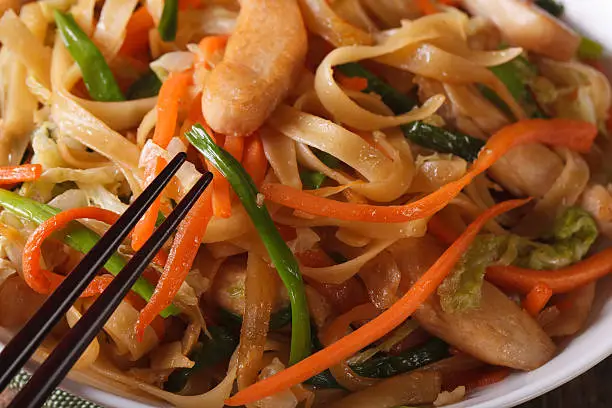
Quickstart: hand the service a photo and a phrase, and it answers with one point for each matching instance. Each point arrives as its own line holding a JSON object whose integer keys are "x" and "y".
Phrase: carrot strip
{"x": 489, "y": 378}
{"x": 576, "y": 135}
{"x": 170, "y": 94}
{"x": 254, "y": 160}
{"x": 186, "y": 243}
{"x": 559, "y": 281}
{"x": 211, "y": 46}
{"x": 158, "y": 324}
{"x": 427, "y": 7}
{"x": 222, "y": 203}
{"x": 537, "y": 298}
{"x": 442, "y": 232}
{"x": 18, "y": 174}
{"x": 137, "y": 33}
{"x": 44, "y": 281}
{"x": 379, "y": 326}
{"x": 234, "y": 145}
{"x": 356, "y": 84}
{"x": 145, "y": 226}
{"x": 189, "y": 4}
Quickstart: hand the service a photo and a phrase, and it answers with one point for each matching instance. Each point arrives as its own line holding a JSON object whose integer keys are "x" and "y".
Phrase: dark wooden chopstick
{"x": 19, "y": 350}
{"x": 68, "y": 351}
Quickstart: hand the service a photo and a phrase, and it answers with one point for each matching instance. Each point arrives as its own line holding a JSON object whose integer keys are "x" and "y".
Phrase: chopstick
{"x": 18, "y": 351}
{"x": 68, "y": 351}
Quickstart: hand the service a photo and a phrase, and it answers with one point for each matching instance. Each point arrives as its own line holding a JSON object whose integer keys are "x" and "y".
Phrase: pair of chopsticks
{"x": 67, "y": 352}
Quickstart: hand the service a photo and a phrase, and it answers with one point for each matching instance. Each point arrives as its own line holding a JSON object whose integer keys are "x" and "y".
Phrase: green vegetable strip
{"x": 97, "y": 76}
{"x": 551, "y": 6}
{"x": 411, "y": 359}
{"x": 312, "y": 180}
{"x": 278, "y": 319}
{"x": 77, "y": 237}
{"x": 590, "y": 49}
{"x": 146, "y": 86}
{"x": 208, "y": 353}
{"x": 429, "y": 136}
{"x": 281, "y": 256}
{"x": 168, "y": 24}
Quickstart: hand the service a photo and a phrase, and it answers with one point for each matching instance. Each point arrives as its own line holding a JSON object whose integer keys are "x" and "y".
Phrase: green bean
{"x": 168, "y": 23}
{"x": 551, "y": 6}
{"x": 590, "y": 49}
{"x": 76, "y": 236}
{"x": 312, "y": 180}
{"x": 281, "y": 256}
{"x": 97, "y": 75}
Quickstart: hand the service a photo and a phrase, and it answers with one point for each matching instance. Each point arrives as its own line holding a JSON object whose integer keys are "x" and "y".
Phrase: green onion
{"x": 97, "y": 75}
{"x": 146, "y": 86}
{"x": 428, "y": 136}
{"x": 281, "y": 256}
{"x": 76, "y": 236}
{"x": 590, "y": 49}
{"x": 207, "y": 353}
{"x": 168, "y": 23}
{"x": 551, "y": 6}
{"x": 278, "y": 319}
{"x": 411, "y": 359}
{"x": 312, "y": 180}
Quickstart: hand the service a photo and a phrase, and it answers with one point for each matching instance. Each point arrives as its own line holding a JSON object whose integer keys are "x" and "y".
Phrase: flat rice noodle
{"x": 382, "y": 278}
{"x": 15, "y": 36}
{"x": 83, "y": 13}
{"x": 72, "y": 118}
{"x": 169, "y": 356}
{"x": 110, "y": 30}
{"x": 563, "y": 193}
{"x": 225, "y": 229}
{"x": 211, "y": 20}
{"x": 573, "y": 318}
{"x": 77, "y": 156}
{"x": 100, "y": 175}
{"x": 353, "y": 12}
{"x": 260, "y": 291}
{"x": 90, "y": 355}
{"x": 281, "y": 154}
{"x": 341, "y": 272}
{"x": 388, "y": 179}
{"x": 322, "y": 20}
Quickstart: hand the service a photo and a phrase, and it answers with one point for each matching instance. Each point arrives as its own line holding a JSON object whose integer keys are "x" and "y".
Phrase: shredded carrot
{"x": 559, "y": 281}
{"x": 222, "y": 202}
{"x": 158, "y": 324}
{"x": 254, "y": 160}
{"x": 356, "y": 84}
{"x": 136, "y": 41}
{"x": 537, "y": 298}
{"x": 443, "y": 233}
{"x": 18, "y": 174}
{"x": 170, "y": 94}
{"x": 185, "y": 246}
{"x": 488, "y": 378}
{"x": 379, "y": 326}
{"x": 575, "y": 135}
{"x": 234, "y": 145}
{"x": 145, "y": 226}
{"x": 44, "y": 281}
{"x": 211, "y": 48}
{"x": 426, "y": 7}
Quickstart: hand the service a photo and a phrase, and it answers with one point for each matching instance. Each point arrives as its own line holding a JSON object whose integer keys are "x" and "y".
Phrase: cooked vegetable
{"x": 516, "y": 75}
{"x": 18, "y": 174}
{"x": 537, "y": 298}
{"x": 312, "y": 180}
{"x": 408, "y": 360}
{"x": 146, "y": 86}
{"x": 571, "y": 238}
{"x": 576, "y": 135}
{"x": 379, "y": 326}
{"x": 278, "y": 319}
{"x": 97, "y": 76}
{"x": 552, "y": 6}
{"x": 208, "y": 352}
{"x": 442, "y": 140}
{"x": 396, "y": 101}
{"x": 77, "y": 237}
{"x": 590, "y": 49}
{"x": 168, "y": 23}
{"x": 281, "y": 256}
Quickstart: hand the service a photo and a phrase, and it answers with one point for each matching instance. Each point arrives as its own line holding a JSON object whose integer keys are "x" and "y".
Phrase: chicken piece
{"x": 526, "y": 25}
{"x": 260, "y": 64}
{"x": 528, "y": 170}
{"x": 499, "y": 332}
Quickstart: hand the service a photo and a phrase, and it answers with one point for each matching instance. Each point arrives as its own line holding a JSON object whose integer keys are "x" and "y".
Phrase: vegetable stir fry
{"x": 406, "y": 204}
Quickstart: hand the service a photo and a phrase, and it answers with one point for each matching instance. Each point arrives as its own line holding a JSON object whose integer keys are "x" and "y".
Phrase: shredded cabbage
{"x": 569, "y": 241}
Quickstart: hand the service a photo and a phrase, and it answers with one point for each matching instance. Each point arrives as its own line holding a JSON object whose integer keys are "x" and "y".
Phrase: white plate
{"x": 592, "y": 18}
